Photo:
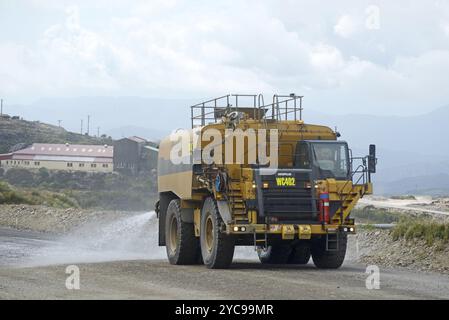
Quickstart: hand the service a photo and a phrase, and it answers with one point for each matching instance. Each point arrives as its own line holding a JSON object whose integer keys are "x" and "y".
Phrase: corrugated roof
{"x": 5, "y": 156}
{"x": 71, "y": 150}
{"x": 65, "y": 159}
{"x": 137, "y": 139}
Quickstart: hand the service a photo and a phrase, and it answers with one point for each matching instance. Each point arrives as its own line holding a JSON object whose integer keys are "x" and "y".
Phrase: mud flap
{"x": 164, "y": 201}
{"x": 161, "y": 234}
{"x": 225, "y": 212}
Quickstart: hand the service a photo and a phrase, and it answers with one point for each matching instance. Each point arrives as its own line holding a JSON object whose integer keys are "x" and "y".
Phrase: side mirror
{"x": 372, "y": 160}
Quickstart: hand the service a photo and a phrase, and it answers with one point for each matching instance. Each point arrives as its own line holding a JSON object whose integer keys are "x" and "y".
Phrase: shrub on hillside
{"x": 43, "y": 175}
{"x": 403, "y": 197}
{"x": 420, "y": 229}
{"x": 106, "y": 190}
{"x": 20, "y": 177}
{"x": 376, "y": 215}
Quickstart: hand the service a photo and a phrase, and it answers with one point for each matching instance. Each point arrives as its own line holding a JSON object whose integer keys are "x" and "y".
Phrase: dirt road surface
{"x": 117, "y": 277}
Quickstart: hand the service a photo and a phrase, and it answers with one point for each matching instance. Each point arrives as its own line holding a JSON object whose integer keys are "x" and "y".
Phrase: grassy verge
{"x": 12, "y": 195}
{"x": 407, "y": 226}
{"x": 403, "y": 197}
{"x": 129, "y": 200}
{"x": 372, "y": 215}
{"x": 65, "y": 188}
{"x": 430, "y": 231}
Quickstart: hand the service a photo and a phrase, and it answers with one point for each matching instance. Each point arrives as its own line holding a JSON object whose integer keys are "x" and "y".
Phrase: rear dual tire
{"x": 214, "y": 248}
{"x": 181, "y": 244}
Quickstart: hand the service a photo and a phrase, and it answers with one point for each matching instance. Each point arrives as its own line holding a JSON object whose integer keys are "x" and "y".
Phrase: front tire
{"x": 181, "y": 244}
{"x": 217, "y": 248}
{"x": 324, "y": 259}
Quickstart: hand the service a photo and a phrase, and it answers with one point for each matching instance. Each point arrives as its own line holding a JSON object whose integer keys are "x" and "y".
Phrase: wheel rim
{"x": 209, "y": 233}
{"x": 173, "y": 234}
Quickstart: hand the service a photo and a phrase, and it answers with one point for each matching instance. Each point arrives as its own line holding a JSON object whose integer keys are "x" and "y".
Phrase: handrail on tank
{"x": 200, "y": 110}
{"x": 281, "y": 107}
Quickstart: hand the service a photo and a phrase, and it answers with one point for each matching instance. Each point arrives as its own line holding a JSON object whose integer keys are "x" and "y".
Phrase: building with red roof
{"x": 72, "y": 157}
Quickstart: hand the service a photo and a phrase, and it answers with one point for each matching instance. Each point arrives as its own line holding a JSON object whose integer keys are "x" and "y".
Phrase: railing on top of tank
{"x": 208, "y": 111}
{"x": 283, "y": 107}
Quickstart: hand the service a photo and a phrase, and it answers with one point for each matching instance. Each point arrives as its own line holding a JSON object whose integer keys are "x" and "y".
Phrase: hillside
{"x": 430, "y": 184}
{"x": 15, "y": 131}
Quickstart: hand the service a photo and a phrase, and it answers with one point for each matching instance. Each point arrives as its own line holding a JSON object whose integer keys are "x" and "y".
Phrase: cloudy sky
{"x": 389, "y": 57}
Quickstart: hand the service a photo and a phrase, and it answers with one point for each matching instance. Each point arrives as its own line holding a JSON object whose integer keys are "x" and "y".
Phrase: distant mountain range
{"x": 431, "y": 184}
{"x": 111, "y": 115}
{"x": 412, "y": 150}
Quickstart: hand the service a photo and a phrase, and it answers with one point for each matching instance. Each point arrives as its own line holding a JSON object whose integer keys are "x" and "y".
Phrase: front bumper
{"x": 290, "y": 231}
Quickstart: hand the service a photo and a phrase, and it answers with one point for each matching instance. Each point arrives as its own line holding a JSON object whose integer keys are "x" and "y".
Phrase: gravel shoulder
{"x": 52, "y": 220}
{"x": 377, "y": 247}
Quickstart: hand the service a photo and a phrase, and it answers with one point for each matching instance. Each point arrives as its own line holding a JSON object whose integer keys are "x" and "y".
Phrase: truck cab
{"x": 326, "y": 159}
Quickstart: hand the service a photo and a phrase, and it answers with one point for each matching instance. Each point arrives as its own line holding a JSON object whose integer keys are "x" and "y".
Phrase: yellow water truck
{"x": 210, "y": 202}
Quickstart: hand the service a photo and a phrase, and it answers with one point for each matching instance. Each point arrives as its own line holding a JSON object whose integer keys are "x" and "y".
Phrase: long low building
{"x": 90, "y": 158}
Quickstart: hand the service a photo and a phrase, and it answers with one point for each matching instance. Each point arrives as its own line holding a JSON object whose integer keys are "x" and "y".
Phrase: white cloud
{"x": 445, "y": 27}
{"x": 346, "y": 26}
{"x": 326, "y": 57}
{"x": 176, "y": 47}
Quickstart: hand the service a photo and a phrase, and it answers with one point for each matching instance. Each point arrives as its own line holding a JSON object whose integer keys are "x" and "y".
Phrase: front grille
{"x": 289, "y": 204}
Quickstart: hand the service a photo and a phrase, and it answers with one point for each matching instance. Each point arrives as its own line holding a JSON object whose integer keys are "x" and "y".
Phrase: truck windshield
{"x": 331, "y": 159}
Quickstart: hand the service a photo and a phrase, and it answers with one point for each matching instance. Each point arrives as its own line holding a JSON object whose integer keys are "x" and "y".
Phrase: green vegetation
{"x": 370, "y": 214}
{"x": 86, "y": 190}
{"x": 11, "y": 195}
{"x": 15, "y": 131}
{"x": 403, "y": 197}
{"x": 407, "y": 226}
{"x": 367, "y": 227}
{"x": 430, "y": 231}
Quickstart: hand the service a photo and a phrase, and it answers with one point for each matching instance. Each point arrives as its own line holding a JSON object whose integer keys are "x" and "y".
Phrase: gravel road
{"x": 154, "y": 278}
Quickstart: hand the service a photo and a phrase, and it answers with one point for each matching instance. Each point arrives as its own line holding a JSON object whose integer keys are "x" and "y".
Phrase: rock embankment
{"x": 47, "y": 219}
{"x": 377, "y": 247}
